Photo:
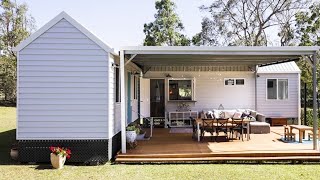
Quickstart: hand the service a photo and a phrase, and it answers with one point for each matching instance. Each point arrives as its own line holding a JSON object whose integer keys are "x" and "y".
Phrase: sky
{"x": 116, "y": 22}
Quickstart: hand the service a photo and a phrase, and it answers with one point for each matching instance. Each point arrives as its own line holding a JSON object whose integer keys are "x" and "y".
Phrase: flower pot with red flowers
{"x": 58, "y": 156}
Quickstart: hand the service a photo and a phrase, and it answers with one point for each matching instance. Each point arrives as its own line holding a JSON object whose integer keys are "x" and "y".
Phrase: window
{"x": 239, "y": 81}
{"x": 234, "y": 81}
{"x": 277, "y": 89}
{"x": 180, "y": 90}
{"x": 229, "y": 82}
{"x": 117, "y": 74}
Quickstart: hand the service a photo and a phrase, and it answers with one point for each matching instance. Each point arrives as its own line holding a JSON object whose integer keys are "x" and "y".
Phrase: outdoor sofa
{"x": 257, "y": 126}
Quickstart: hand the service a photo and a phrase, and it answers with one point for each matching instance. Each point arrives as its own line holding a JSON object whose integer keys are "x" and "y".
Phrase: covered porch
{"x": 210, "y": 60}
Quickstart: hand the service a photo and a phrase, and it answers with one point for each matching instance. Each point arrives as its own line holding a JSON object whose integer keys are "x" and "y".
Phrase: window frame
{"x": 277, "y": 90}
{"x": 193, "y": 89}
{"x": 235, "y": 82}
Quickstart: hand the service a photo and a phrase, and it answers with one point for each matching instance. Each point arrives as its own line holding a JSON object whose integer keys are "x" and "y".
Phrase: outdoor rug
{"x": 181, "y": 130}
{"x": 304, "y": 141}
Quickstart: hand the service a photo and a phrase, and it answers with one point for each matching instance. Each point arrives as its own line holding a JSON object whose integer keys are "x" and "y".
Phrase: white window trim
{"x": 277, "y": 80}
{"x": 235, "y": 82}
{"x": 193, "y": 86}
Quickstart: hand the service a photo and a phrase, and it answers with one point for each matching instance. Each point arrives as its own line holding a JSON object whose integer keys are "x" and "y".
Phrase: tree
{"x": 166, "y": 28}
{"x": 242, "y": 22}
{"x": 308, "y": 32}
{"x": 15, "y": 26}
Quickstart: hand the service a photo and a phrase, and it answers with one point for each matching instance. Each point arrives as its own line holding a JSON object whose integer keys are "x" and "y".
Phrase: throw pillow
{"x": 203, "y": 115}
{"x": 237, "y": 115}
{"x": 210, "y": 115}
{"x": 218, "y": 114}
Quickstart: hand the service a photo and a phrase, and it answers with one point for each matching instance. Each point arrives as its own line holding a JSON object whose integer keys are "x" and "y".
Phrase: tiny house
{"x": 69, "y": 87}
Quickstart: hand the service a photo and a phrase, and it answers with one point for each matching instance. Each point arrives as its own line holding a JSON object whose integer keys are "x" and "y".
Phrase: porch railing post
{"x": 123, "y": 104}
{"x": 315, "y": 105}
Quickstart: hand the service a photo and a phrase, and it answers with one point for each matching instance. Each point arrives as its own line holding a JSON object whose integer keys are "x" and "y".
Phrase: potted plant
{"x": 58, "y": 156}
{"x": 141, "y": 133}
{"x": 131, "y": 134}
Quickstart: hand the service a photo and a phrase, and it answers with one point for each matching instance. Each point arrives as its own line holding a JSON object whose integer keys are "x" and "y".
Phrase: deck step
{"x": 235, "y": 154}
{"x": 208, "y": 159}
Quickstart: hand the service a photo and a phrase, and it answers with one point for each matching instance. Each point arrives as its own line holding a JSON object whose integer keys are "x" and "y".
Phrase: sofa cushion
{"x": 253, "y": 113}
{"x": 245, "y": 112}
{"x": 229, "y": 113}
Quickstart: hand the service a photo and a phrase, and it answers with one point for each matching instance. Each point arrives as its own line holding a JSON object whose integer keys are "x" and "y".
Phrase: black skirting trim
{"x": 83, "y": 151}
{"x": 116, "y": 144}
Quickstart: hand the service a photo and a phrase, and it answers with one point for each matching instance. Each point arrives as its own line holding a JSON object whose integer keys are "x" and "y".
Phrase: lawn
{"x": 13, "y": 170}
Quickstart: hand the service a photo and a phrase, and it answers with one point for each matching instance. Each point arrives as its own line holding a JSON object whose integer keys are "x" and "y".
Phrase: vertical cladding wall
{"x": 63, "y": 87}
{"x": 282, "y": 108}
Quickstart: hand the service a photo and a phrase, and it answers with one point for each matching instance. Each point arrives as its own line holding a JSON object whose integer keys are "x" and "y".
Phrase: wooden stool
{"x": 311, "y": 135}
{"x": 288, "y": 135}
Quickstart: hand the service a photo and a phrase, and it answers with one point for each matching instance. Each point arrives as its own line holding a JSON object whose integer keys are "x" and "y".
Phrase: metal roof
{"x": 149, "y": 56}
{"x": 289, "y": 67}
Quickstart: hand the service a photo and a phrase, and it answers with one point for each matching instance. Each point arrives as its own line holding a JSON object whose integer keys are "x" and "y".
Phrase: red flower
{"x": 68, "y": 151}
{"x": 57, "y": 150}
{"x": 51, "y": 149}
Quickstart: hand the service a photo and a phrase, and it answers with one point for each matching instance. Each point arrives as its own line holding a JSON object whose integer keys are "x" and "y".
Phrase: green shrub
{"x": 133, "y": 128}
{"x": 309, "y": 117}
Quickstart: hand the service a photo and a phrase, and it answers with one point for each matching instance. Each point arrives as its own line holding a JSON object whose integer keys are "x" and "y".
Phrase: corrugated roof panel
{"x": 288, "y": 67}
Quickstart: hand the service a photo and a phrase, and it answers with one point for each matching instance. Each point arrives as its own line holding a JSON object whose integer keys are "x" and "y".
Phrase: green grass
{"x": 12, "y": 170}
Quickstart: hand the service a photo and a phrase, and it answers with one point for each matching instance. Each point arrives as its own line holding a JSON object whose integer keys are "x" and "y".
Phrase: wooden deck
{"x": 179, "y": 147}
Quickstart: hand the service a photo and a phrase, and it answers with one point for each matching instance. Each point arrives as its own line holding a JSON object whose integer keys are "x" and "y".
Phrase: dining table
{"x": 245, "y": 122}
{"x": 301, "y": 129}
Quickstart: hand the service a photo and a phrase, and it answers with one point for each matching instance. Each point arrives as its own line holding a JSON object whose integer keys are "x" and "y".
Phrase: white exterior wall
{"x": 279, "y": 108}
{"x": 210, "y": 90}
{"x": 63, "y": 87}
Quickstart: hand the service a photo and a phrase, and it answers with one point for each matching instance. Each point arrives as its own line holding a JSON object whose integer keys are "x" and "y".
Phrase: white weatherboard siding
{"x": 65, "y": 87}
{"x": 279, "y": 108}
{"x": 210, "y": 91}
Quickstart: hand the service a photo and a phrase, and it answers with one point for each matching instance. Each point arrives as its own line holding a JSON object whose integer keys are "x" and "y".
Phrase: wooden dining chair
{"x": 207, "y": 126}
{"x": 288, "y": 135}
{"x": 222, "y": 126}
{"x": 194, "y": 128}
{"x": 237, "y": 126}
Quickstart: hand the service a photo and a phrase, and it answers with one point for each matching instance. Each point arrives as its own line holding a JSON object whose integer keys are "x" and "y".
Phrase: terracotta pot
{"x": 131, "y": 136}
{"x": 57, "y": 161}
{"x": 14, "y": 154}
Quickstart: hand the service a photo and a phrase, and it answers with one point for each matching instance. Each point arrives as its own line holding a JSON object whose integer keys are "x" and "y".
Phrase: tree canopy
{"x": 166, "y": 29}
{"x": 15, "y": 26}
{"x": 242, "y": 22}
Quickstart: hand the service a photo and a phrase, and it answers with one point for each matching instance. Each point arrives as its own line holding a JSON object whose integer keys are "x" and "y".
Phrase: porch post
{"x": 255, "y": 89}
{"x": 123, "y": 104}
{"x": 315, "y": 106}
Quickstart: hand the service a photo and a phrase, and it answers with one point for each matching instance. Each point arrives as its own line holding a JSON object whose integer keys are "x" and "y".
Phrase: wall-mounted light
{"x": 114, "y": 65}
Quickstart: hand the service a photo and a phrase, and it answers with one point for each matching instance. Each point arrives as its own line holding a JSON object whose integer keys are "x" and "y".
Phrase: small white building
{"x": 69, "y": 87}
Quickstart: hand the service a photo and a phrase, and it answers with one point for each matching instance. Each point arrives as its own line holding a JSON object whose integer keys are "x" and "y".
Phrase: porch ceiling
{"x": 214, "y": 56}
